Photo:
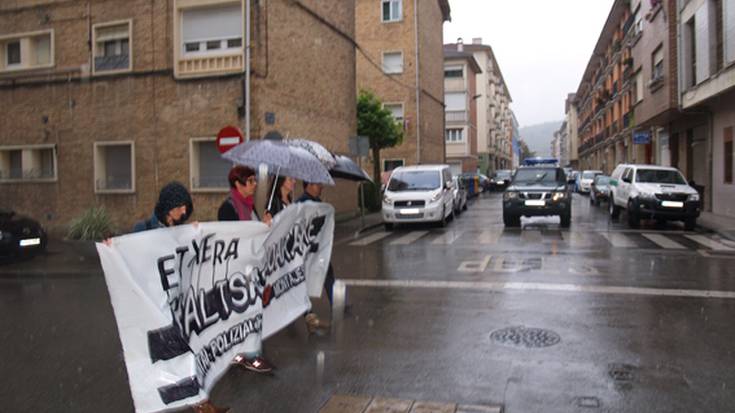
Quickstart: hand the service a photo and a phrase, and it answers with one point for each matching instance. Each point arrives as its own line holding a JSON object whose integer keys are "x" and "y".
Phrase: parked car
{"x": 500, "y": 180}
{"x": 537, "y": 191}
{"x": 421, "y": 193}
{"x": 584, "y": 180}
{"x": 20, "y": 236}
{"x": 655, "y": 192}
{"x": 600, "y": 189}
{"x": 459, "y": 190}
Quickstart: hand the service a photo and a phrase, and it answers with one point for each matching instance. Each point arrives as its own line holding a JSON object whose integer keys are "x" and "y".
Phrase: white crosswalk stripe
{"x": 709, "y": 243}
{"x": 664, "y": 242}
{"x": 448, "y": 238}
{"x": 618, "y": 240}
{"x": 409, "y": 238}
{"x": 370, "y": 239}
{"x": 489, "y": 237}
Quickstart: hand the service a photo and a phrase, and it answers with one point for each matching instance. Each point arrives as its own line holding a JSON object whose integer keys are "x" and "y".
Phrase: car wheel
{"x": 443, "y": 219}
{"x": 634, "y": 221}
{"x": 614, "y": 210}
{"x": 566, "y": 219}
{"x": 690, "y": 224}
{"x": 388, "y": 226}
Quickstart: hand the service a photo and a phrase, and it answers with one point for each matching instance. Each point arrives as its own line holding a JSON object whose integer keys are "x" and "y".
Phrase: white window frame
{"x": 462, "y": 138}
{"x": 393, "y": 52}
{"x": 95, "y": 50}
{"x": 96, "y": 175}
{"x": 392, "y": 18}
{"x": 402, "y": 119}
{"x": 25, "y": 40}
{"x": 454, "y": 68}
{"x": 402, "y": 160}
{"x": 194, "y": 170}
{"x": 31, "y": 147}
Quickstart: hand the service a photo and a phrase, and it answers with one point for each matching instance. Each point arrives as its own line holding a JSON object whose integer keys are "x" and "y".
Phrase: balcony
{"x": 628, "y": 120}
{"x": 455, "y": 116}
{"x": 210, "y": 65}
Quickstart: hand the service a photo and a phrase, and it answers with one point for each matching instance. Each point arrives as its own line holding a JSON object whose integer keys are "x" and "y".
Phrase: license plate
{"x": 672, "y": 204}
{"x": 410, "y": 211}
{"x": 534, "y": 202}
{"x": 30, "y": 242}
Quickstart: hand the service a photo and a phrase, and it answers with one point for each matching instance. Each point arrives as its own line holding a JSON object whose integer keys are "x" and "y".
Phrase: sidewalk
{"x": 75, "y": 259}
{"x": 722, "y": 225}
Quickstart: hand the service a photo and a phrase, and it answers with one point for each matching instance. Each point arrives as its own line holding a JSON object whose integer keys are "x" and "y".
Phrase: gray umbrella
{"x": 305, "y": 166}
{"x": 316, "y": 149}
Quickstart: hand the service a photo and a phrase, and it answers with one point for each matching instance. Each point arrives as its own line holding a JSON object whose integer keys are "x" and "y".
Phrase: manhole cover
{"x": 520, "y": 336}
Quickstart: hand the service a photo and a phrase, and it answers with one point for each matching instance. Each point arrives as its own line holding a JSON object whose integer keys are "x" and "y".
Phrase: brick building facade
{"x": 102, "y": 104}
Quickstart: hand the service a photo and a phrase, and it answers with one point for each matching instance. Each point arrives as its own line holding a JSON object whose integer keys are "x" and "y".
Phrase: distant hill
{"x": 538, "y": 137}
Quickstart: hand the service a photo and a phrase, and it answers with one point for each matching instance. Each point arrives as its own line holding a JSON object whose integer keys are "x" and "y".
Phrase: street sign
{"x": 228, "y": 137}
{"x": 359, "y": 145}
{"x": 642, "y": 138}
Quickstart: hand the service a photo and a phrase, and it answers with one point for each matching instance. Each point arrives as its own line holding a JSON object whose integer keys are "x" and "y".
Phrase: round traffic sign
{"x": 228, "y": 137}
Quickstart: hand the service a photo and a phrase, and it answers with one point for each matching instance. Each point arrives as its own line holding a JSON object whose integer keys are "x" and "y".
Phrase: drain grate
{"x": 621, "y": 372}
{"x": 520, "y": 336}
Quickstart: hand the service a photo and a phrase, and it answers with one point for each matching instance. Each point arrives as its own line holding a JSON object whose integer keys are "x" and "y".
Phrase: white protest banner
{"x": 187, "y": 300}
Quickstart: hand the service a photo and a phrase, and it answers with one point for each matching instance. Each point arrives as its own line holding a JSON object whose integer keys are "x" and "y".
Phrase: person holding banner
{"x": 174, "y": 207}
{"x": 239, "y": 206}
{"x": 313, "y": 192}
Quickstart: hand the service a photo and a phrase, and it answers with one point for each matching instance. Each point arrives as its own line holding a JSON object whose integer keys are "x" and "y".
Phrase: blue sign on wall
{"x": 642, "y": 138}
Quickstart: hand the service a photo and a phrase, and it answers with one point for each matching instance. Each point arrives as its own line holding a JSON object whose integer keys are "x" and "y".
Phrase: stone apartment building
{"x": 400, "y": 59}
{"x": 494, "y": 116}
{"x": 572, "y": 132}
{"x": 707, "y": 92}
{"x": 461, "y": 73}
{"x": 103, "y": 104}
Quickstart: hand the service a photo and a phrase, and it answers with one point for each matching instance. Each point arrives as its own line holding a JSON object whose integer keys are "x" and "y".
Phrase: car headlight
{"x": 557, "y": 196}
{"x": 693, "y": 197}
{"x": 507, "y": 196}
{"x": 387, "y": 200}
{"x": 646, "y": 195}
{"x": 436, "y": 197}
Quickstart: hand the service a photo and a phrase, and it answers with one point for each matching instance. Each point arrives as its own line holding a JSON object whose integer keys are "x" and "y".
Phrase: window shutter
{"x": 455, "y": 101}
{"x": 701, "y": 28}
{"x": 728, "y": 31}
{"x": 212, "y": 23}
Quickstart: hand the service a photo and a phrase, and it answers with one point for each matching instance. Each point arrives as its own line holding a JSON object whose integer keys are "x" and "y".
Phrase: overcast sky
{"x": 542, "y": 46}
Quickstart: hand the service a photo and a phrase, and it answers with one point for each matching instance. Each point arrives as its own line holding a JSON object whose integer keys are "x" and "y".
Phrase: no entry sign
{"x": 228, "y": 137}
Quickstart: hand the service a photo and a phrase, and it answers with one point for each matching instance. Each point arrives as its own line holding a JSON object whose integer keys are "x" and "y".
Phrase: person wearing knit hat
{"x": 174, "y": 207}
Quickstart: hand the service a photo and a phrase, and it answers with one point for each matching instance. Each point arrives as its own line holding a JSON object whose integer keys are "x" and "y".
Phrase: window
{"x": 454, "y": 135}
{"x": 392, "y": 10}
{"x": 208, "y": 38}
{"x": 208, "y": 169}
{"x": 396, "y": 109}
{"x": 114, "y": 167}
{"x": 391, "y": 164}
{"x": 453, "y": 72}
{"x": 690, "y": 54}
{"x": 393, "y": 62}
{"x": 455, "y": 101}
{"x": 27, "y": 163}
{"x": 112, "y": 47}
{"x": 728, "y": 30}
{"x": 728, "y": 164}
{"x": 657, "y": 63}
{"x": 26, "y": 51}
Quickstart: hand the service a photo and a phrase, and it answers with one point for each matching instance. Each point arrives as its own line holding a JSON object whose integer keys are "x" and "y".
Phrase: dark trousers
{"x": 329, "y": 282}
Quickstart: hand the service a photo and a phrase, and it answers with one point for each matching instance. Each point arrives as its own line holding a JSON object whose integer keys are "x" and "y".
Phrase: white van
{"x": 422, "y": 193}
{"x": 656, "y": 192}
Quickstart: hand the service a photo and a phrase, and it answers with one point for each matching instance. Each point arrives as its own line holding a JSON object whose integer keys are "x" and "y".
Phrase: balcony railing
{"x": 455, "y": 116}
{"x": 206, "y": 65}
{"x": 628, "y": 120}
{"x": 628, "y": 23}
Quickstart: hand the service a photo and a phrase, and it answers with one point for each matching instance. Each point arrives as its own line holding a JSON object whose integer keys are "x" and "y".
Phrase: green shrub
{"x": 93, "y": 225}
{"x": 373, "y": 197}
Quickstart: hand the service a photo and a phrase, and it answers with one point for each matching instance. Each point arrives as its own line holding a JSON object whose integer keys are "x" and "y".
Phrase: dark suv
{"x": 537, "y": 191}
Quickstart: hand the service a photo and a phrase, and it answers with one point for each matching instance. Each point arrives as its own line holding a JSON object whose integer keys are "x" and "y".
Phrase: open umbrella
{"x": 346, "y": 168}
{"x": 316, "y": 149}
{"x": 275, "y": 155}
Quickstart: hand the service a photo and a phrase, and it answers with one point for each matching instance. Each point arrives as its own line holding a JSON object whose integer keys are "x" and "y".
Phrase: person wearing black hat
{"x": 174, "y": 207}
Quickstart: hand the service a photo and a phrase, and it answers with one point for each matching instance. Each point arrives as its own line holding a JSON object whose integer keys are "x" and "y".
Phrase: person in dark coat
{"x": 239, "y": 207}
{"x": 313, "y": 192}
{"x": 173, "y": 208}
{"x": 283, "y": 196}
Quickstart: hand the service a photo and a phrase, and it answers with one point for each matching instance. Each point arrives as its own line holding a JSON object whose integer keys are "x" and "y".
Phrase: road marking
{"x": 664, "y": 242}
{"x": 576, "y": 238}
{"x": 619, "y": 240}
{"x": 370, "y": 239}
{"x": 409, "y": 238}
{"x": 489, "y": 237}
{"x": 524, "y": 286}
{"x": 709, "y": 243}
{"x": 448, "y": 237}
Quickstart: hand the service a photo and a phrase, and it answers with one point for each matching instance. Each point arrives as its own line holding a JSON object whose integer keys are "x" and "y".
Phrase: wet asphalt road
{"x": 635, "y": 321}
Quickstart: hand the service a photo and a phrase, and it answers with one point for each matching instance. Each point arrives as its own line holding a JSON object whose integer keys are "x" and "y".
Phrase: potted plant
{"x": 92, "y": 226}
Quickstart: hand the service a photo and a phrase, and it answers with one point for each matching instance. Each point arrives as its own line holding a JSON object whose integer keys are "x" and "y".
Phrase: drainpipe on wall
{"x": 247, "y": 70}
{"x": 418, "y": 85}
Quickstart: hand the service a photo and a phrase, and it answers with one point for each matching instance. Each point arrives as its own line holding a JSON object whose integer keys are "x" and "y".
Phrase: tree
{"x": 379, "y": 125}
{"x": 525, "y": 151}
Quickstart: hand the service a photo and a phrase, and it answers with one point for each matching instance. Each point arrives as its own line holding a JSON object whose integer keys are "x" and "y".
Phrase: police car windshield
{"x": 542, "y": 176}
{"x": 414, "y": 181}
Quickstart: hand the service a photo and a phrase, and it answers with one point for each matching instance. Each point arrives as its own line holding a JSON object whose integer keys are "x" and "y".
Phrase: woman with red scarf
{"x": 239, "y": 207}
